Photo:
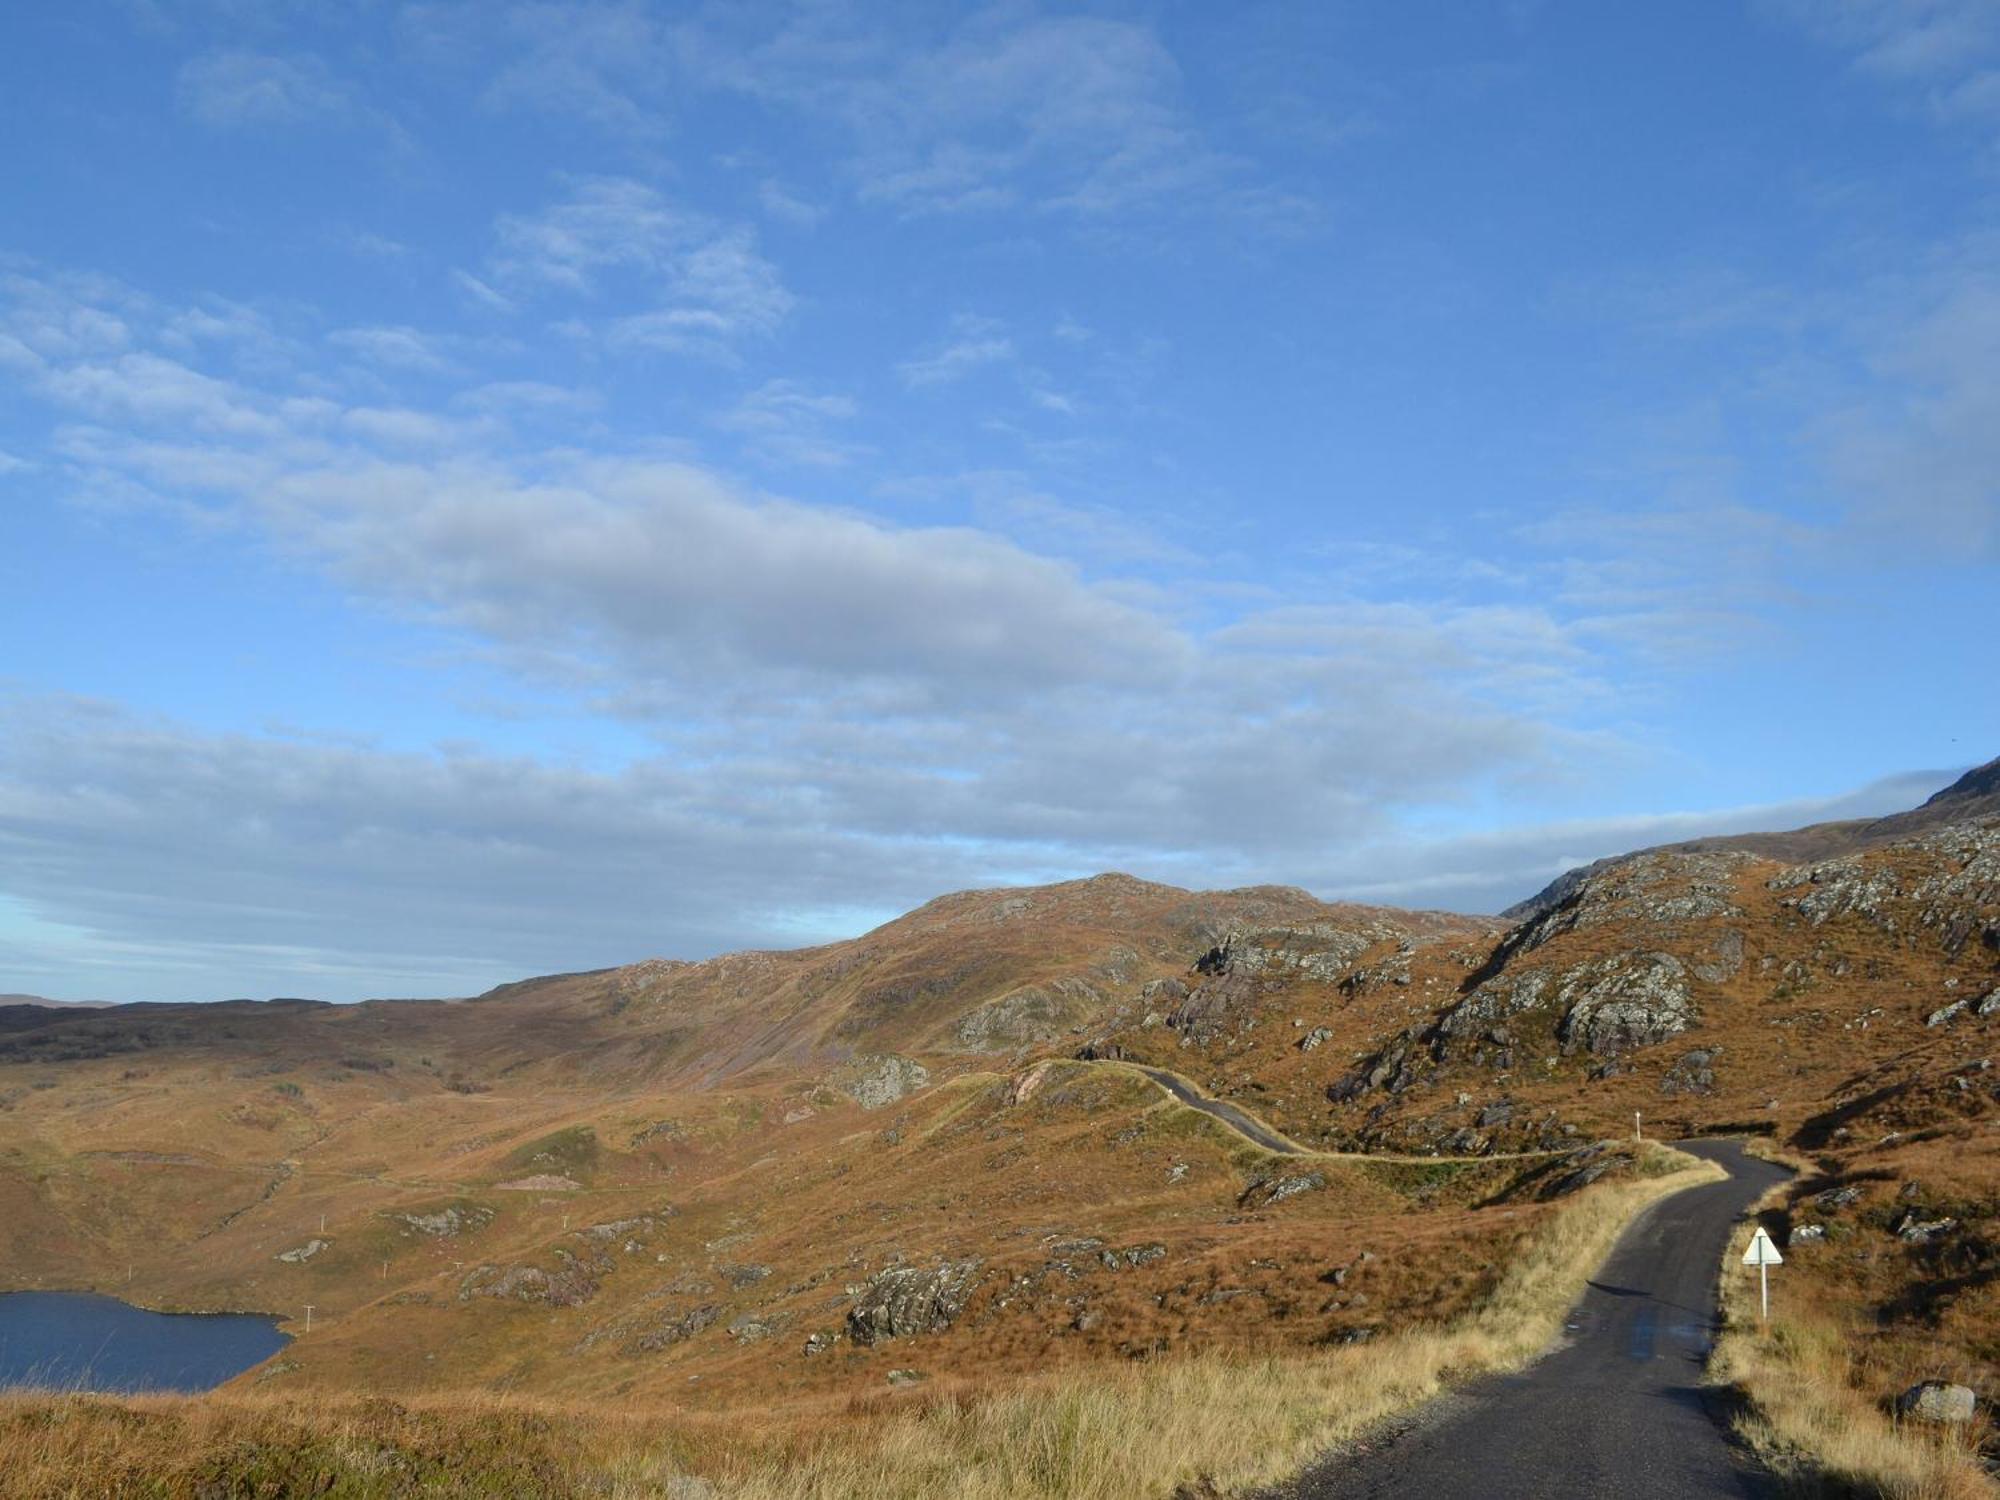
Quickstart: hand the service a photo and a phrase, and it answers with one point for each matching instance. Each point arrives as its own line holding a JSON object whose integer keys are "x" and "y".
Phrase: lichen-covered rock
{"x": 1805, "y": 1234}
{"x": 906, "y": 1300}
{"x": 872, "y": 1082}
{"x": 1662, "y": 887}
{"x": 571, "y": 1282}
{"x": 673, "y": 1328}
{"x": 1624, "y": 1002}
{"x": 1265, "y": 1191}
{"x": 303, "y": 1253}
{"x": 1132, "y": 1255}
{"x": 1314, "y": 1038}
{"x": 1029, "y": 1014}
{"x": 444, "y": 1223}
{"x": 1915, "y": 1231}
{"x": 1938, "y": 1401}
{"x": 1693, "y": 1073}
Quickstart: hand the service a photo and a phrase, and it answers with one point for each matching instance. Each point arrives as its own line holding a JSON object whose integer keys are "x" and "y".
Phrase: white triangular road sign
{"x": 1762, "y": 1252}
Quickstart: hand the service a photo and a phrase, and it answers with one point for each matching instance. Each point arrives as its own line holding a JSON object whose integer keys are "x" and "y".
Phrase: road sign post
{"x": 1763, "y": 1254}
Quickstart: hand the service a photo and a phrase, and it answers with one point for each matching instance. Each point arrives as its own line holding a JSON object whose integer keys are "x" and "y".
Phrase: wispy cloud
{"x": 699, "y": 284}
{"x": 975, "y": 343}
{"x": 787, "y": 421}
{"x": 230, "y": 89}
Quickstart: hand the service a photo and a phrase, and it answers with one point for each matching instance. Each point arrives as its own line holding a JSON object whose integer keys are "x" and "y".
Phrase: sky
{"x": 518, "y": 486}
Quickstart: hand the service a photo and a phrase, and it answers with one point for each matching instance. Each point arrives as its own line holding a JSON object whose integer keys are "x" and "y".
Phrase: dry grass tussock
{"x": 1101, "y": 1434}
{"x": 1810, "y": 1411}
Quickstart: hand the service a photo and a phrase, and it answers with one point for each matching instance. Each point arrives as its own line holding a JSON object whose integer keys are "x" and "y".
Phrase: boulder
{"x": 905, "y": 1300}
{"x": 1937, "y": 1401}
{"x": 875, "y": 1081}
{"x": 1265, "y": 1191}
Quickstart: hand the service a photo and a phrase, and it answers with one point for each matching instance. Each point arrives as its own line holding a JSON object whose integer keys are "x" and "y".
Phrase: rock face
{"x": 1937, "y": 1401}
{"x": 905, "y": 1300}
{"x": 877, "y": 1081}
{"x": 1624, "y": 1002}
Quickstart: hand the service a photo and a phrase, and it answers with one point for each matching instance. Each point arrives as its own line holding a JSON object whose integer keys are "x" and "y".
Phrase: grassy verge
{"x": 1808, "y": 1407}
{"x": 1129, "y": 1433}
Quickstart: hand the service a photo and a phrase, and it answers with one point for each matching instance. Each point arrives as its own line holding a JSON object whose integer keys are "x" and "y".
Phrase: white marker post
{"x": 1763, "y": 1255}
{"x": 1638, "y": 1134}
{"x": 309, "y": 1317}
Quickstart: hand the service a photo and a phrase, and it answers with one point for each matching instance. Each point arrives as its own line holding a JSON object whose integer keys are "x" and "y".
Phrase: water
{"x": 78, "y": 1341}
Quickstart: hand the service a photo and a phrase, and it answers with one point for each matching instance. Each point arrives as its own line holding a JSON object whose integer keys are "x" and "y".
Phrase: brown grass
{"x": 1120, "y": 1433}
{"x": 1812, "y": 1411}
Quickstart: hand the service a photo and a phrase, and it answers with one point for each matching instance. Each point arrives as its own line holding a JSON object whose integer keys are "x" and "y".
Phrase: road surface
{"x": 1618, "y": 1412}
{"x": 1242, "y": 1121}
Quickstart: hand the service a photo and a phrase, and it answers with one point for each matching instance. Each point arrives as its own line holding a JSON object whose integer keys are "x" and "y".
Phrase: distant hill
{"x": 1976, "y": 794}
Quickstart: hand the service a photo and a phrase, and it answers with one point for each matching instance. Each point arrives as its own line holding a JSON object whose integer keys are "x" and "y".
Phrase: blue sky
{"x": 495, "y": 488}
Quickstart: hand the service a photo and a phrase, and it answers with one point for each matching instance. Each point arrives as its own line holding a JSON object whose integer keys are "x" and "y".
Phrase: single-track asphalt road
{"x": 1242, "y": 1121}
{"x": 1617, "y": 1412}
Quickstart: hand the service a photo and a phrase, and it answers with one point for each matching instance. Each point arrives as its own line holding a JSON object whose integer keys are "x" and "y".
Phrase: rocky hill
{"x": 934, "y": 1146}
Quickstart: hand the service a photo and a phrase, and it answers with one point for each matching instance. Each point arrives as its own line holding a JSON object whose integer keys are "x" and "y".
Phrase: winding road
{"x": 1618, "y": 1412}
{"x": 1241, "y": 1121}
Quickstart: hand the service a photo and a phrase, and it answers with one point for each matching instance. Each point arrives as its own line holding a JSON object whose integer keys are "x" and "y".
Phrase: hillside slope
{"x": 773, "y": 1177}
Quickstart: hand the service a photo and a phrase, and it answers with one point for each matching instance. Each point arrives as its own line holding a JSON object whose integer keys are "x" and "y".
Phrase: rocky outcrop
{"x": 1692, "y": 1073}
{"x": 1265, "y": 1191}
{"x": 571, "y": 1282}
{"x": 303, "y": 1253}
{"x": 443, "y": 1223}
{"x": 673, "y": 1328}
{"x": 1624, "y": 1002}
{"x": 872, "y": 1082}
{"x": 906, "y": 1300}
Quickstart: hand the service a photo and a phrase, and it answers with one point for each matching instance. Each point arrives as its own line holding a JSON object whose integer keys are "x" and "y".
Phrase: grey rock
{"x": 674, "y": 1328}
{"x": 1694, "y": 1073}
{"x": 1132, "y": 1255}
{"x": 1945, "y": 1013}
{"x": 906, "y": 1300}
{"x": 1265, "y": 1191}
{"x": 906, "y": 1377}
{"x": 1989, "y": 1006}
{"x": 1314, "y": 1038}
{"x": 1914, "y": 1231}
{"x": 1624, "y": 1002}
{"x": 1937, "y": 1401}
{"x": 1839, "y": 1197}
{"x": 821, "y": 1343}
{"x": 1805, "y": 1234}
{"x": 446, "y": 1223}
{"x": 880, "y": 1080}
{"x": 1499, "y": 1112}
{"x": 303, "y": 1253}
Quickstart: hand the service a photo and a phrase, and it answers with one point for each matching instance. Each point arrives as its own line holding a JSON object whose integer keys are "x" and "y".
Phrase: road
{"x": 1618, "y": 1412}
{"x": 1243, "y": 1122}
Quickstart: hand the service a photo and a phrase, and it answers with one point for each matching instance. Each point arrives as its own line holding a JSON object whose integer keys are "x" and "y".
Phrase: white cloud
{"x": 975, "y": 344}
{"x": 704, "y": 283}
{"x": 398, "y": 347}
{"x": 229, "y": 89}
{"x": 786, "y": 421}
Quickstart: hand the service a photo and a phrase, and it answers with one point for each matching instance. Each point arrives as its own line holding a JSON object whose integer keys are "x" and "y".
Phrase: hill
{"x": 772, "y": 1180}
